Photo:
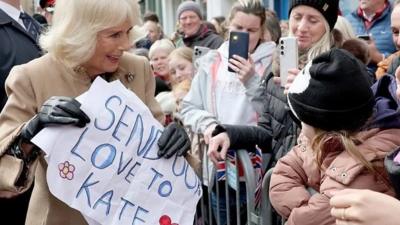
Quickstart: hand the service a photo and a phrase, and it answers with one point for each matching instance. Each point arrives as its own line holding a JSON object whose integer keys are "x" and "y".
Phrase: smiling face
{"x": 159, "y": 62}
{"x": 370, "y": 6}
{"x": 189, "y": 23}
{"x": 181, "y": 69}
{"x": 307, "y": 25}
{"x": 395, "y": 20}
{"x": 111, "y": 43}
{"x": 248, "y": 23}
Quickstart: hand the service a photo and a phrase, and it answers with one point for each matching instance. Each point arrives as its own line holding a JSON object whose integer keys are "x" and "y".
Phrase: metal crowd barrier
{"x": 205, "y": 214}
{"x": 266, "y": 216}
{"x": 266, "y": 207}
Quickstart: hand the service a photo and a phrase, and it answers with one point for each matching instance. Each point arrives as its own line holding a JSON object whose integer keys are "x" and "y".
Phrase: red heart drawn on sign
{"x": 165, "y": 220}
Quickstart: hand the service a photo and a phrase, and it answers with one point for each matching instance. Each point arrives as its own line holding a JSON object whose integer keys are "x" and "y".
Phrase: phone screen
{"x": 238, "y": 45}
{"x": 364, "y": 37}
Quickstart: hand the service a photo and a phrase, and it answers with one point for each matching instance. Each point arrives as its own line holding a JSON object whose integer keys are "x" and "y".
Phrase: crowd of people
{"x": 332, "y": 128}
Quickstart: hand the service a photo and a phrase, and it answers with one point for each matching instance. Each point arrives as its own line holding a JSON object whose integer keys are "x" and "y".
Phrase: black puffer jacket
{"x": 276, "y": 132}
{"x": 393, "y": 170}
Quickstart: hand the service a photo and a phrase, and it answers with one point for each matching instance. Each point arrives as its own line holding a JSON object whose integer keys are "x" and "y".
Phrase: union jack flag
{"x": 256, "y": 159}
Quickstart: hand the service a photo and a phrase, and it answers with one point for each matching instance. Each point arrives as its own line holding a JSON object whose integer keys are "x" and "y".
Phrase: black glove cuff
{"x": 16, "y": 151}
{"x": 217, "y": 130}
{"x": 31, "y": 128}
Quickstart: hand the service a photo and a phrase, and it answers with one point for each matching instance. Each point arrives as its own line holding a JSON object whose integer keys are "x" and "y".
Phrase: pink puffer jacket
{"x": 297, "y": 171}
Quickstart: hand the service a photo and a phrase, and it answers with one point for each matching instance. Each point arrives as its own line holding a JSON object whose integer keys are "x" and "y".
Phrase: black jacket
{"x": 394, "y": 171}
{"x": 387, "y": 115}
{"x": 16, "y": 47}
{"x": 276, "y": 132}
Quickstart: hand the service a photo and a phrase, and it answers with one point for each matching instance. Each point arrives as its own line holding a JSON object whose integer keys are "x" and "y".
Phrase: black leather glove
{"x": 56, "y": 110}
{"x": 173, "y": 140}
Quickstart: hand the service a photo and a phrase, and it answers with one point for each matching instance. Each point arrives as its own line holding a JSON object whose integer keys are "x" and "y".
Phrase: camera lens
{"x": 282, "y": 47}
{"x": 282, "y": 42}
{"x": 282, "y": 52}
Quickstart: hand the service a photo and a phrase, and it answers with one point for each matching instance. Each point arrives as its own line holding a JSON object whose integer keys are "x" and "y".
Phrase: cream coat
{"x": 27, "y": 87}
{"x": 297, "y": 171}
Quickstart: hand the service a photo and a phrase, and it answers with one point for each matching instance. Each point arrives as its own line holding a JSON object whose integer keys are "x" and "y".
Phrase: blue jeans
{"x": 232, "y": 204}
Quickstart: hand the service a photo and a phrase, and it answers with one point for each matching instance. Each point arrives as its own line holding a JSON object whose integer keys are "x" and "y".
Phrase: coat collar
{"x": 5, "y": 18}
{"x": 10, "y": 10}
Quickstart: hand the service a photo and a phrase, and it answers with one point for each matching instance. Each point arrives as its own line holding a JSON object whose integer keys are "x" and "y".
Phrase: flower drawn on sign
{"x": 66, "y": 170}
{"x": 166, "y": 220}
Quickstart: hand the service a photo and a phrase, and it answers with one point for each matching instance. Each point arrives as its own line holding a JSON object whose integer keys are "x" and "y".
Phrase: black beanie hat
{"x": 332, "y": 93}
{"x": 328, "y": 8}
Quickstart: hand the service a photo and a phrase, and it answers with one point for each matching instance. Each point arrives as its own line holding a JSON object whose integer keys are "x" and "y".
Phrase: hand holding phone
{"x": 288, "y": 57}
{"x": 238, "y": 45}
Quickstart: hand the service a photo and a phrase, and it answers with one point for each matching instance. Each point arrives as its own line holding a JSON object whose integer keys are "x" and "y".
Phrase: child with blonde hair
{"x": 180, "y": 76}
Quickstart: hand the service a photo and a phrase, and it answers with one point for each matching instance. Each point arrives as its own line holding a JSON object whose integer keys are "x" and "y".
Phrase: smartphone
{"x": 238, "y": 45}
{"x": 288, "y": 57}
{"x": 198, "y": 52}
{"x": 364, "y": 37}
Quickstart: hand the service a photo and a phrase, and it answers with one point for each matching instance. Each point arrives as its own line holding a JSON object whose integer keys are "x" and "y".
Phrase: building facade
{"x": 167, "y": 9}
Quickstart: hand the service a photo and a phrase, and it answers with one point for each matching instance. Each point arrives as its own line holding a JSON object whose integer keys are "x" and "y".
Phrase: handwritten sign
{"x": 110, "y": 171}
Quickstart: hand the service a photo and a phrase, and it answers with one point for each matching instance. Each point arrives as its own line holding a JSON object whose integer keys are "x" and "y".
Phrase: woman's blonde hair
{"x": 72, "y": 38}
{"x": 182, "y": 52}
{"x": 324, "y": 44}
{"x": 253, "y": 7}
{"x": 163, "y": 44}
{"x": 345, "y": 28}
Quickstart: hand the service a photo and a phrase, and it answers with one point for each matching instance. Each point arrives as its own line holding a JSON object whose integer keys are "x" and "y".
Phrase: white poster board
{"x": 110, "y": 171}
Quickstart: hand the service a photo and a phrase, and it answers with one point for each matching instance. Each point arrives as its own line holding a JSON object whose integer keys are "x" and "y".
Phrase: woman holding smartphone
{"x": 219, "y": 96}
{"x": 311, "y": 22}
